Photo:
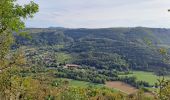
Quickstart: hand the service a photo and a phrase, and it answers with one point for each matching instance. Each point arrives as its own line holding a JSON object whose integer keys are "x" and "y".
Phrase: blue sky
{"x": 100, "y": 13}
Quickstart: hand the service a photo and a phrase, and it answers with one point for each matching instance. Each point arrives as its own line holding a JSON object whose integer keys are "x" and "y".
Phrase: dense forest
{"x": 111, "y": 48}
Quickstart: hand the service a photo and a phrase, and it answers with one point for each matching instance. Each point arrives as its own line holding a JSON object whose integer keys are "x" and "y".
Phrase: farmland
{"x": 115, "y": 86}
{"x": 123, "y": 87}
{"x": 149, "y": 77}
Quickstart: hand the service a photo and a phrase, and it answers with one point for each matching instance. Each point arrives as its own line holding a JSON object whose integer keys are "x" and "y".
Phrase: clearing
{"x": 123, "y": 87}
{"x": 149, "y": 77}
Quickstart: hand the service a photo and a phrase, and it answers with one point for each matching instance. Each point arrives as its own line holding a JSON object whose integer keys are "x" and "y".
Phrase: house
{"x": 71, "y": 66}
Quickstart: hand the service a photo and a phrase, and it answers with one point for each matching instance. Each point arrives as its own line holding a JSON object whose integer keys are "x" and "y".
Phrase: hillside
{"x": 107, "y": 48}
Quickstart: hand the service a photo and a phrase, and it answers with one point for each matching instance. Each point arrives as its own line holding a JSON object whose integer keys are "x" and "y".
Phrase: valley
{"x": 91, "y": 59}
{"x": 118, "y": 58}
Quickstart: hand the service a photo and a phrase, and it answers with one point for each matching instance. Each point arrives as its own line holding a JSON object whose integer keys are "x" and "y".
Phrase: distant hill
{"x": 98, "y": 47}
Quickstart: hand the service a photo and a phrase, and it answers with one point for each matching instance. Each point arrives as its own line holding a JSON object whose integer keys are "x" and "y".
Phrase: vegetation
{"x": 63, "y": 58}
{"x": 101, "y": 57}
{"x": 113, "y": 48}
{"x": 11, "y": 15}
{"x": 86, "y": 75}
{"x": 75, "y": 83}
{"x": 149, "y": 77}
{"x": 32, "y": 67}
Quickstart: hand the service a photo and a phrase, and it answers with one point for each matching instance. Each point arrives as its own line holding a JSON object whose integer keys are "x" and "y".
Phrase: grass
{"x": 149, "y": 77}
{"x": 76, "y": 83}
{"x": 83, "y": 84}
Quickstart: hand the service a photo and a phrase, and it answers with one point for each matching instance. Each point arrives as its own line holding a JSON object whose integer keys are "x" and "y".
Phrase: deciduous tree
{"x": 12, "y": 16}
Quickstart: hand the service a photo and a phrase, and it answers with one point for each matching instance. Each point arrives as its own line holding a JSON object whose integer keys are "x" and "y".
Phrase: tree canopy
{"x": 12, "y": 16}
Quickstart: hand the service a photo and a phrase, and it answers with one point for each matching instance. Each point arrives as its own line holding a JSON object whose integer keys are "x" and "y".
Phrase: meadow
{"x": 76, "y": 83}
{"x": 149, "y": 77}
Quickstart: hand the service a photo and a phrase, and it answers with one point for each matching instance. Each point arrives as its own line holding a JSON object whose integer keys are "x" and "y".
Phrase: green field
{"x": 76, "y": 83}
{"x": 83, "y": 84}
{"x": 149, "y": 77}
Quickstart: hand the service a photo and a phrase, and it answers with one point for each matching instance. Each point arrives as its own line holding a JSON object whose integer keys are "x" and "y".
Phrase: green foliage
{"x": 149, "y": 77}
{"x": 91, "y": 93}
{"x": 11, "y": 15}
{"x": 102, "y": 60}
{"x": 112, "y": 48}
{"x": 62, "y": 58}
{"x": 94, "y": 76}
{"x": 75, "y": 83}
{"x": 163, "y": 90}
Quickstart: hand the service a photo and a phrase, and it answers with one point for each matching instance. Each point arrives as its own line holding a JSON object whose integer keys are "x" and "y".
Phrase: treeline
{"x": 133, "y": 81}
{"x": 86, "y": 75}
{"x": 98, "y": 76}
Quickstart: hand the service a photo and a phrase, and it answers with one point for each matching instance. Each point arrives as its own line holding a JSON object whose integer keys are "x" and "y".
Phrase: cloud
{"x": 101, "y": 13}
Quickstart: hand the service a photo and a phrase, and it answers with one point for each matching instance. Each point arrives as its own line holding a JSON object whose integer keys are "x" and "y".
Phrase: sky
{"x": 100, "y": 13}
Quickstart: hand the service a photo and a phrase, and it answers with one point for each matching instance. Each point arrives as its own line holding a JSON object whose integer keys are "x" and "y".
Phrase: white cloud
{"x": 101, "y": 13}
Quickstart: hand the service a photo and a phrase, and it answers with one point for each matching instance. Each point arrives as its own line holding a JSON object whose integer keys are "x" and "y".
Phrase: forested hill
{"x": 108, "y": 48}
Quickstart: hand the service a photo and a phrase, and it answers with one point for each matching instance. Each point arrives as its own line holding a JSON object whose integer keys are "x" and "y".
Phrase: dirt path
{"x": 123, "y": 87}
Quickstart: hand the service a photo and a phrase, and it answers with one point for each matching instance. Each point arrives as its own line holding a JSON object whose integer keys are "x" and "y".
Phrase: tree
{"x": 12, "y": 17}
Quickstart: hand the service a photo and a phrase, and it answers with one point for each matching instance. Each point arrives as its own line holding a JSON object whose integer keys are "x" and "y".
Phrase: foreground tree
{"x": 11, "y": 21}
{"x": 11, "y": 15}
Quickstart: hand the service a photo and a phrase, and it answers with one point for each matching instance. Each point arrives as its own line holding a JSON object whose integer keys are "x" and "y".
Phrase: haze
{"x": 101, "y": 13}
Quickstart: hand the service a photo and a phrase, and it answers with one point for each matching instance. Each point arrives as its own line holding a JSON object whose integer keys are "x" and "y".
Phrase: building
{"x": 71, "y": 66}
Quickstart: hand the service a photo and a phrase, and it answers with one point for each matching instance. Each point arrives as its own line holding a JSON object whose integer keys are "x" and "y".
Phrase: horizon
{"x": 100, "y": 14}
{"x": 100, "y": 27}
